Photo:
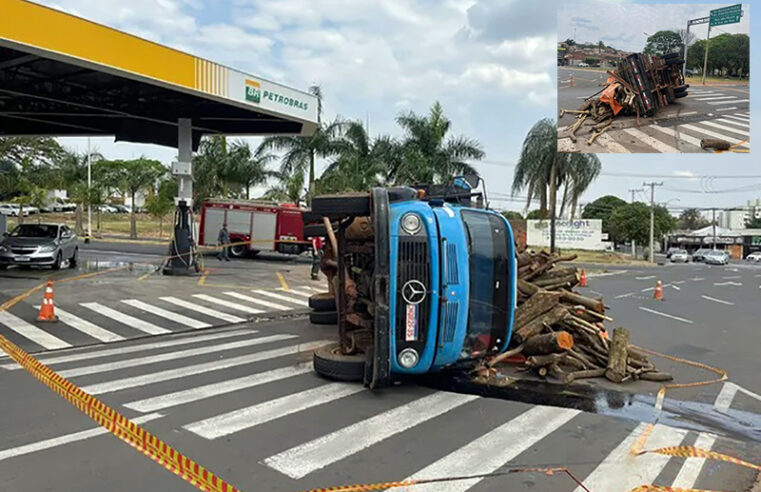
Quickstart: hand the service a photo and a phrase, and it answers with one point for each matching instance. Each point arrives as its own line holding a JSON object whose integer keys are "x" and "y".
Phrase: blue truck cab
{"x": 441, "y": 285}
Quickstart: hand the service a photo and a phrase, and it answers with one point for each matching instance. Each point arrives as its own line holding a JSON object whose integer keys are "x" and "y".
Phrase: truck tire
{"x": 402, "y": 194}
{"x": 342, "y": 205}
{"x": 238, "y": 251}
{"x": 674, "y": 61}
{"x": 680, "y": 94}
{"x": 668, "y": 56}
{"x": 309, "y": 217}
{"x": 323, "y": 317}
{"x": 324, "y": 301}
{"x": 315, "y": 230}
{"x": 330, "y": 363}
{"x": 681, "y": 88}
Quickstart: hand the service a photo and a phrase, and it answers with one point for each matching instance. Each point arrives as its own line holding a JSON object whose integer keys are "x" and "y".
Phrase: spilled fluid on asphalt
{"x": 89, "y": 266}
{"x": 688, "y": 415}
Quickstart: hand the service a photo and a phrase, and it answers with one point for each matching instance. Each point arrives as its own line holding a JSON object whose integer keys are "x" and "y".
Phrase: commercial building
{"x": 738, "y": 242}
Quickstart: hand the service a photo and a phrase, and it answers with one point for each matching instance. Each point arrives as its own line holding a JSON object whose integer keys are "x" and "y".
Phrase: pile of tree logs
{"x": 560, "y": 333}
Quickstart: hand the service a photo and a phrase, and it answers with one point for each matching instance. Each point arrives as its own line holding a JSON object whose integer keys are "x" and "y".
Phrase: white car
{"x": 107, "y": 209}
{"x": 755, "y": 256}
{"x": 679, "y": 256}
{"x": 12, "y": 210}
{"x": 716, "y": 257}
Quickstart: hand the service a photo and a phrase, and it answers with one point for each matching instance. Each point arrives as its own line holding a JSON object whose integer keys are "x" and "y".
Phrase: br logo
{"x": 253, "y": 91}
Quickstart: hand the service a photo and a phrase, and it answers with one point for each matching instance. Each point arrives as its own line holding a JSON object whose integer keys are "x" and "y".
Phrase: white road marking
{"x": 298, "y": 293}
{"x": 245, "y": 418}
{"x": 181, "y": 354}
{"x": 228, "y": 304}
{"x": 735, "y": 117}
{"x": 714, "y": 98}
{"x": 304, "y": 459}
{"x": 679, "y": 135}
{"x": 732, "y": 277}
{"x": 653, "y": 311}
{"x": 176, "y": 317}
{"x": 217, "y": 365}
{"x": 687, "y": 113}
{"x": 748, "y": 392}
{"x": 726, "y": 109}
{"x": 645, "y": 278}
{"x": 730, "y": 102}
{"x": 725, "y": 397}
{"x": 720, "y": 284}
{"x": 611, "y": 145}
{"x": 718, "y": 300}
{"x": 130, "y": 349}
{"x": 621, "y": 471}
{"x": 691, "y": 467}
{"x": 215, "y": 389}
{"x": 125, "y": 319}
{"x": 281, "y": 297}
{"x": 31, "y": 332}
{"x": 203, "y": 310}
{"x": 713, "y": 134}
{"x": 67, "y": 439}
{"x": 676, "y": 287}
{"x": 697, "y": 279}
{"x": 679, "y": 282}
{"x": 607, "y": 274}
{"x": 628, "y": 294}
{"x": 734, "y": 122}
{"x": 726, "y": 128}
{"x": 85, "y": 326}
{"x": 254, "y": 300}
{"x": 491, "y": 451}
{"x": 650, "y": 141}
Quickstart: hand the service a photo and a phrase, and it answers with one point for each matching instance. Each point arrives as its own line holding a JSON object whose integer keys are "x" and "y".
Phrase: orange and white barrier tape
{"x": 694, "y": 452}
{"x": 663, "y": 488}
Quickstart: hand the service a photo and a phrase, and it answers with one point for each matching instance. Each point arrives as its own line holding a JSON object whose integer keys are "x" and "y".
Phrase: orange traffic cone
{"x": 658, "y": 293}
{"x": 583, "y": 278}
{"x": 47, "y": 310}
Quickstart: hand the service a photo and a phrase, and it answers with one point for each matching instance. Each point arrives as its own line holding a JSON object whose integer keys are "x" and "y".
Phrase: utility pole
{"x": 633, "y": 191}
{"x": 89, "y": 191}
{"x": 691, "y": 22}
{"x": 705, "y": 58}
{"x": 652, "y": 186}
{"x": 713, "y": 223}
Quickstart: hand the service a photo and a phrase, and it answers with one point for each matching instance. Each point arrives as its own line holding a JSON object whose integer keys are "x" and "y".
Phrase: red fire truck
{"x": 269, "y": 226}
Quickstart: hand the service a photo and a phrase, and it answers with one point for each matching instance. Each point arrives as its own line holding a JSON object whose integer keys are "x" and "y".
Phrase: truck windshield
{"x": 488, "y": 265}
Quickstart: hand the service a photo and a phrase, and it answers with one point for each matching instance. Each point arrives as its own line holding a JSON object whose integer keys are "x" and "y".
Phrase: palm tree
{"x": 542, "y": 170}
{"x": 428, "y": 156}
{"x": 131, "y": 177}
{"x": 290, "y": 188}
{"x": 245, "y": 169}
{"x": 71, "y": 172}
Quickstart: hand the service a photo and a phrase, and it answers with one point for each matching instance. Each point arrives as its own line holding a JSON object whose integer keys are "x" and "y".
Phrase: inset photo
{"x": 646, "y": 78}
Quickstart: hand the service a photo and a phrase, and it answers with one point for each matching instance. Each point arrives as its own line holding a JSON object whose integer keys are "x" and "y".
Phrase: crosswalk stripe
{"x": 302, "y": 460}
{"x": 726, "y": 109}
{"x": 203, "y": 310}
{"x": 31, "y": 332}
{"x": 611, "y": 145}
{"x": 268, "y": 304}
{"x": 736, "y": 117}
{"x": 176, "y": 317}
{"x": 217, "y": 365}
{"x": 300, "y": 293}
{"x": 491, "y": 451}
{"x": 246, "y": 418}
{"x": 681, "y": 136}
{"x": 726, "y": 128}
{"x": 714, "y": 98}
{"x": 87, "y": 327}
{"x": 619, "y": 471}
{"x": 228, "y": 304}
{"x": 714, "y": 134}
{"x": 691, "y": 467}
{"x": 181, "y": 354}
{"x": 744, "y": 114}
{"x": 650, "y": 141}
{"x": 733, "y": 122}
{"x": 733, "y": 101}
{"x": 281, "y": 297}
{"x": 215, "y": 389}
{"x": 66, "y": 439}
{"x": 132, "y": 348}
{"x": 124, "y": 318}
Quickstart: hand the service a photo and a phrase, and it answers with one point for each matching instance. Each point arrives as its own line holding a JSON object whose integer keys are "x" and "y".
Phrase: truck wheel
{"x": 315, "y": 230}
{"x": 324, "y": 301}
{"x": 330, "y": 363}
{"x": 342, "y": 205}
{"x": 680, "y": 94}
{"x": 668, "y": 56}
{"x": 674, "y": 61}
{"x": 253, "y": 253}
{"x": 323, "y": 317}
{"x": 238, "y": 251}
{"x": 681, "y": 88}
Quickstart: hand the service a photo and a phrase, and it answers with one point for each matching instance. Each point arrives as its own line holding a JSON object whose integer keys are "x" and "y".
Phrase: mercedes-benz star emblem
{"x": 414, "y": 292}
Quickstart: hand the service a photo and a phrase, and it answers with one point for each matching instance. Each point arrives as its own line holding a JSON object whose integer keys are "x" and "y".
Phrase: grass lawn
{"x": 602, "y": 257}
{"x": 110, "y": 224}
{"x": 698, "y": 80}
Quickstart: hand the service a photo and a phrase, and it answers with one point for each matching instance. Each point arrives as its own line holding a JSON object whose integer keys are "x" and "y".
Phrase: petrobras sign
{"x": 575, "y": 234}
{"x": 272, "y": 97}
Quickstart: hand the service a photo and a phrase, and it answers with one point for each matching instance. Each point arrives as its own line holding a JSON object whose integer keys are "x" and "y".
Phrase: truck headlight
{"x": 408, "y": 358}
{"x": 411, "y": 223}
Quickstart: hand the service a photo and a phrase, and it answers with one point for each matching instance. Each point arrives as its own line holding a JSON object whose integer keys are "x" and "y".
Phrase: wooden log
{"x": 527, "y": 287}
{"x": 524, "y": 258}
{"x": 505, "y": 355}
{"x": 535, "y": 306}
{"x": 558, "y": 271}
{"x": 569, "y": 278}
{"x": 617, "y": 355}
{"x": 536, "y": 325}
{"x": 591, "y": 373}
{"x": 583, "y": 359}
{"x": 587, "y": 302}
{"x": 656, "y": 376}
{"x": 549, "y": 343}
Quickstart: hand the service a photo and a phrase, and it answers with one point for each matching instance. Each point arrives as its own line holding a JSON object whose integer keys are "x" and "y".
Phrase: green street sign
{"x": 726, "y": 15}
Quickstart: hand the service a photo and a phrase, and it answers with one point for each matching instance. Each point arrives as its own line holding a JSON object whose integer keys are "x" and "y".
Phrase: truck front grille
{"x": 414, "y": 263}
{"x": 450, "y": 321}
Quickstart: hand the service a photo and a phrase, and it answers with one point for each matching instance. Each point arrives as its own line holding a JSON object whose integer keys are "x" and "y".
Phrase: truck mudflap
{"x": 377, "y": 372}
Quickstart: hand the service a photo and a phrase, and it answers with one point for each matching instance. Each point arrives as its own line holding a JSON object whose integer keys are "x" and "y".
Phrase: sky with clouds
{"x": 491, "y": 63}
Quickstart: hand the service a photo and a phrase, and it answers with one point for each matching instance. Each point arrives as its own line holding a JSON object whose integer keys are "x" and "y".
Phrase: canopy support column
{"x": 182, "y": 251}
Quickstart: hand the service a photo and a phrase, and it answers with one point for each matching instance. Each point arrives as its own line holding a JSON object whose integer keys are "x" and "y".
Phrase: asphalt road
{"x": 242, "y": 400}
{"x": 711, "y": 111}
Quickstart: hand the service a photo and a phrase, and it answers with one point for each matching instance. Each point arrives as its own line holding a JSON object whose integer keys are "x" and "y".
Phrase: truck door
{"x": 264, "y": 226}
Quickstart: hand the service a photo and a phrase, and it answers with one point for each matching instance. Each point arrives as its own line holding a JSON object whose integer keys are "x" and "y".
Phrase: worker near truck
{"x": 316, "y": 257}
{"x": 223, "y": 240}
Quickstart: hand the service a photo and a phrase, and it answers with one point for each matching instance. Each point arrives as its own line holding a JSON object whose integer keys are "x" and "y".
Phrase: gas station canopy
{"x": 62, "y": 75}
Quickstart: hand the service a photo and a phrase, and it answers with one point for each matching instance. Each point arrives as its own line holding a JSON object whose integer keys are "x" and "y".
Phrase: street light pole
{"x": 652, "y": 185}
{"x": 89, "y": 190}
{"x": 705, "y": 58}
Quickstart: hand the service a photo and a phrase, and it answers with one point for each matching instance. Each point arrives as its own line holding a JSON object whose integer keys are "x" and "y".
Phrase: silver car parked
{"x": 39, "y": 244}
{"x": 680, "y": 255}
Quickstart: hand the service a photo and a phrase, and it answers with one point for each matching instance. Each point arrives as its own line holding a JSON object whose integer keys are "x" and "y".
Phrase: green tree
{"x": 753, "y": 223}
{"x": 161, "y": 201}
{"x": 428, "y": 155}
{"x": 289, "y": 188}
{"x": 592, "y": 61}
{"x": 692, "y": 219}
{"x": 632, "y": 222}
{"x": 245, "y": 169}
{"x": 512, "y": 215}
{"x": 663, "y": 42}
{"x": 602, "y": 208}
{"x": 71, "y": 175}
{"x": 537, "y": 215}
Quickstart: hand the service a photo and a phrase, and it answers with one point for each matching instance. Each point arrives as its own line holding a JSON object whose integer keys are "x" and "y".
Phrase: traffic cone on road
{"x": 47, "y": 309}
{"x": 658, "y": 293}
{"x": 583, "y": 278}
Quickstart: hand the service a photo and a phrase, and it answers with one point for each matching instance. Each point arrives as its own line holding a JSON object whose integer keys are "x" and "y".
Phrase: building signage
{"x": 726, "y": 15}
{"x": 576, "y": 234}
{"x": 255, "y": 94}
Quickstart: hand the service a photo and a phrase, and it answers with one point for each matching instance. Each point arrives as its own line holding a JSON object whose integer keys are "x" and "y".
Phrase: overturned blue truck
{"x": 420, "y": 278}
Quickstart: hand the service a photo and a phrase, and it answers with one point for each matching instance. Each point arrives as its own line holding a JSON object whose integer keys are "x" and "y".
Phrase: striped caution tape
{"x": 694, "y": 452}
{"x": 663, "y": 488}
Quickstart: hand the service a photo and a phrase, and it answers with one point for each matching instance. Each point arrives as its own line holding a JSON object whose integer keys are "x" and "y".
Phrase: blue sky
{"x": 491, "y": 63}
